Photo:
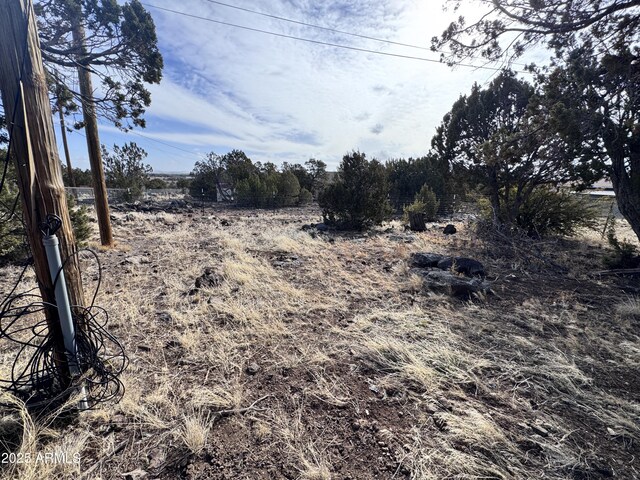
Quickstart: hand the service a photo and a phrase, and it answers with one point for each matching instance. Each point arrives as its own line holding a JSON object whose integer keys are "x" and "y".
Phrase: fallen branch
{"x": 224, "y": 413}
{"x": 617, "y": 271}
{"x": 117, "y": 449}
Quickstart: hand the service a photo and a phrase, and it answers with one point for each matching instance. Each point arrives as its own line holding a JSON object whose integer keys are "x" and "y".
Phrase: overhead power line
{"x": 333, "y": 30}
{"x": 196, "y": 155}
{"x": 165, "y": 143}
{"x": 319, "y": 42}
{"x": 328, "y": 29}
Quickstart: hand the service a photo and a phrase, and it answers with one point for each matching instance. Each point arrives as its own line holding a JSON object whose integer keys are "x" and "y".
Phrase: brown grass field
{"x": 321, "y": 357}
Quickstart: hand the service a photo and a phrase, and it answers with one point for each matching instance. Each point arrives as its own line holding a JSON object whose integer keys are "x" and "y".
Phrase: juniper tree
{"x": 118, "y": 44}
{"x": 595, "y": 77}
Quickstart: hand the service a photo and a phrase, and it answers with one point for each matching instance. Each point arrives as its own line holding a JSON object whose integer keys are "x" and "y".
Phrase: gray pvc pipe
{"x": 56, "y": 271}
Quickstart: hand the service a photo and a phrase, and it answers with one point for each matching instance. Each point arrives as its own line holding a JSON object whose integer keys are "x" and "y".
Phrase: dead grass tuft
{"x": 194, "y": 431}
{"x": 629, "y": 308}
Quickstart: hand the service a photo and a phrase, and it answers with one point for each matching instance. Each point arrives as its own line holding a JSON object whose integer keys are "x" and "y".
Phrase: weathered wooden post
{"x": 29, "y": 119}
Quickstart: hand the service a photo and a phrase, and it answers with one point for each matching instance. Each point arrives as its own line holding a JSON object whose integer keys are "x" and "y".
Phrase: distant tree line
{"x": 124, "y": 168}
{"x": 234, "y": 176}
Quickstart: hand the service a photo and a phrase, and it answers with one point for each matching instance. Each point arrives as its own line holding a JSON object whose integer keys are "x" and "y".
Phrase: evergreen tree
{"x": 358, "y": 198}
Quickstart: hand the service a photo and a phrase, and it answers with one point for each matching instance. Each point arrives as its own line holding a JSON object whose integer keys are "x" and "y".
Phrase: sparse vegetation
{"x": 324, "y": 357}
{"x": 262, "y": 345}
{"x": 12, "y": 235}
{"x": 235, "y": 177}
{"x": 11, "y": 238}
{"x": 81, "y": 178}
{"x": 426, "y": 203}
{"x": 546, "y": 212}
{"x": 79, "y": 216}
{"x": 408, "y": 177}
{"x": 624, "y": 254}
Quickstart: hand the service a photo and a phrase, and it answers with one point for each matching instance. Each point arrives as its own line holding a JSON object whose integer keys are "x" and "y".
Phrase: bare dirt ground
{"x": 320, "y": 356}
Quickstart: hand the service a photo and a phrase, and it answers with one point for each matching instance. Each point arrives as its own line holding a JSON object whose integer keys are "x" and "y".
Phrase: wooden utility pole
{"x": 65, "y": 144}
{"x": 26, "y": 105}
{"x": 91, "y": 130}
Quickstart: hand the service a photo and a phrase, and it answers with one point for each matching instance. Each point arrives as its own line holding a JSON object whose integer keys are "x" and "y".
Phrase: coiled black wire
{"x": 36, "y": 377}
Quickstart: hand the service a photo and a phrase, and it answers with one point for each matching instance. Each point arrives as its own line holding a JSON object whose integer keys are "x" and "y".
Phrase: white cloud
{"x": 285, "y": 100}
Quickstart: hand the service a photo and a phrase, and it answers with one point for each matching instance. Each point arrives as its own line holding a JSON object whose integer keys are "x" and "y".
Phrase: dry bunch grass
{"x": 341, "y": 317}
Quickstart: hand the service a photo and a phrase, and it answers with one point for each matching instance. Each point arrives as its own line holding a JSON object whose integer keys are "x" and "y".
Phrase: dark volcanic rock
{"x": 466, "y": 266}
{"x": 447, "y": 281}
{"x": 210, "y": 278}
{"x": 449, "y": 229}
{"x": 321, "y": 227}
{"x": 425, "y": 260}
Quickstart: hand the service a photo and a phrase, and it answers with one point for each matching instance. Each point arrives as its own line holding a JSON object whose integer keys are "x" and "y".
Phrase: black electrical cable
{"x": 35, "y": 375}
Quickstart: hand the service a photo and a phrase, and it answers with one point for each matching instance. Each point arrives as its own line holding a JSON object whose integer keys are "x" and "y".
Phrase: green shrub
{"x": 357, "y": 199}
{"x": 251, "y": 192}
{"x": 156, "y": 184}
{"x": 545, "y": 212}
{"x": 624, "y": 254}
{"x": 430, "y": 204}
{"x": 288, "y": 189}
{"x": 12, "y": 241}
{"x": 124, "y": 168}
{"x": 183, "y": 184}
{"x": 79, "y": 216}
{"x": 11, "y": 230}
{"x": 305, "y": 197}
{"x": 553, "y": 212}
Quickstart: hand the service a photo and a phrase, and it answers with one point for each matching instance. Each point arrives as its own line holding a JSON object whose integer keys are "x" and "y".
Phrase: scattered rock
{"x": 209, "y": 279}
{"x": 137, "y": 260}
{"x": 285, "y": 260}
{"x": 312, "y": 227}
{"x": 449, "y": 229}
{"x": 425, "y": 260}
{"x": 407, "y": 238}
{"x": 450, "y": 282}
{"x": 253, "y": 368}
{"x": 224, "y": 222}
{"x": 156, "y": 458}
{"x": 173, "y": 344}
{"x": 463, "y": 265}
{"x": 466, "y": 266}
{"x": 164, "y": 317}
{"x": 136, "y": 474}
{"x": 446, "y": 404}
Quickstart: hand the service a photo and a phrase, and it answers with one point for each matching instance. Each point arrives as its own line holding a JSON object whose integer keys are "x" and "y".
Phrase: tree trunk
{"x": 65, "y": 144}
{"x": 93, "y": 140}
{"x": 627, "y": 197}
{"x": 26, "y": 104}
{"x": 416, "y": 222}
{"x": 494, "y": 190}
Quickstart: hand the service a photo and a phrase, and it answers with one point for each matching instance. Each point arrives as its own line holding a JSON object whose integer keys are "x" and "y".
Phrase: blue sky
{"x": 279, "y": 99}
